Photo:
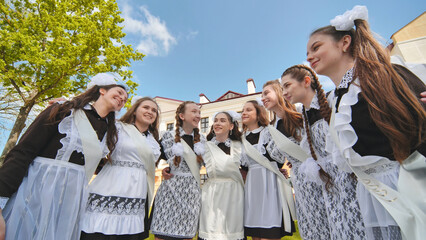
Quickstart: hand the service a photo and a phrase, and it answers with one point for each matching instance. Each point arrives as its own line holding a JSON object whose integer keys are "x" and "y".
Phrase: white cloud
{"x": 192, "y": 35}
{"x": 115, "y": 43}
{"x": 152, "y": 33}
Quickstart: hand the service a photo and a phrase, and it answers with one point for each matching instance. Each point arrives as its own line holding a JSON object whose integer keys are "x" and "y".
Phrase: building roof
{"x": 228, "y": 95}
{"x": 170, "y": 99}
{"x": 408, "y": 24}
{"x": 225, "y": 98}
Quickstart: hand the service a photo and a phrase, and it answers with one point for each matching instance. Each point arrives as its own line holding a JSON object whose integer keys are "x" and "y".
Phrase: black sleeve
{"x": 19, "y": 158}
{"x": 414, "y": 83}
{"x": 162, "y": 155}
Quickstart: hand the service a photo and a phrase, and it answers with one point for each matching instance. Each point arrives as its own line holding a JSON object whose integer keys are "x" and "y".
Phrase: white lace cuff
{"x": 199, "y": 148}
{"x": 3, "y": 201}
{"x": 311, "y": 169}
{"x": 177, "y": 149}
{"x": 154, "y": 145}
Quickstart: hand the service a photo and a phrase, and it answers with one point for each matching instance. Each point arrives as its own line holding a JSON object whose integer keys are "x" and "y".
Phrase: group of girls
{"x": 224, "y": 208}
{"x": 362, "y": 157}
{"x": 353, "y": 160}
{"x": 44, "y": 180}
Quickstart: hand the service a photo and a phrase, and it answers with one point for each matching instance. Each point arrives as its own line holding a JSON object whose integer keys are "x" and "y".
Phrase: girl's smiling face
{"x": 191, "y": 115}
{"x": 324, "y": 53}
{"x": 269, "y": 97}
{"x": 249, "y": 114}
{"x": 222, "y": 125}
{"x": 147, "y": 112}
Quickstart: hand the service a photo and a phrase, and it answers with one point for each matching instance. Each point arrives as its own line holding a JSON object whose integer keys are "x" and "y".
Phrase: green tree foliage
{"x": 50, "y": 48}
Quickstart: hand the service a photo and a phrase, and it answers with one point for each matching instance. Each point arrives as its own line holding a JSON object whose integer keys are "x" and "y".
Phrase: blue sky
{"x": 211, "y": 47}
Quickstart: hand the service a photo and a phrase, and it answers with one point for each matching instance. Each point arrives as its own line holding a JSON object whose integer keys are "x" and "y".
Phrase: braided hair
{"x": 299, "y": 72}
{"x": 179, "y": 123}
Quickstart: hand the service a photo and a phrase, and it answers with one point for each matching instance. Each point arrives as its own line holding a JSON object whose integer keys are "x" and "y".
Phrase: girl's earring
{"x": 230, "y": 132}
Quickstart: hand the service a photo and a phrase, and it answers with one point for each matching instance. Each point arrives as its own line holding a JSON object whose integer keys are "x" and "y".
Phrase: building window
{"x": 204, "y": 124}
{"x": 170, "y": 126}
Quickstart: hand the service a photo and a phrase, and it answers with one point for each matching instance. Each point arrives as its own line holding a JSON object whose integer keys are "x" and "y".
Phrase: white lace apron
{"x": 51, "y": 198}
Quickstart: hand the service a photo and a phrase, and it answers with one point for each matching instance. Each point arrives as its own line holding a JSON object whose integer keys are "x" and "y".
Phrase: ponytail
{"x": 385, "y": 92}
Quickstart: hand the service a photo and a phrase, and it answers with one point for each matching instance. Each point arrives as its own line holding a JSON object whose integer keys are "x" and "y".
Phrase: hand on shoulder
{"x": 423, "y": 96}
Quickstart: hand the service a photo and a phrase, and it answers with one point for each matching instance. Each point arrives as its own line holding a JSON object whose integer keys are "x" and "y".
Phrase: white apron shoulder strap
{"x": 191, "y": 160}
{"x": 408, "y": 215}
{"x": 146, "y": 156}
{"x": 91, "y": 146}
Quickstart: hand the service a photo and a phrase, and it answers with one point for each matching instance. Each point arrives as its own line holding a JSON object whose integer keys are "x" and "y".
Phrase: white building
{"x": 409, "y": 42}
{"x": 230, "y": 100}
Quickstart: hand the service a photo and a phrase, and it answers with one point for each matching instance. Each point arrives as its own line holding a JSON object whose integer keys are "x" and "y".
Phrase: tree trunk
{"x": 17, "y": 129}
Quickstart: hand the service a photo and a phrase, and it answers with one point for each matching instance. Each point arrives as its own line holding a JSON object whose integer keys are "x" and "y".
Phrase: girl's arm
{"x": 31, "y": 144}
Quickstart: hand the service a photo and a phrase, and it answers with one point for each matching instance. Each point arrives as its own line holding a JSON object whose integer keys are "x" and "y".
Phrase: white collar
{"x": 182, "y": 132}
{"x": 254, "y": 131}
{"x": 314, "y": 103}
{"x": 347, "y": 78}
{"x": 88, "y": 107}
{"x": 227, "y": 142}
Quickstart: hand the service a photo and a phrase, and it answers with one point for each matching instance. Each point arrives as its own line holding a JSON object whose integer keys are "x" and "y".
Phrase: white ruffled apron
{"x": 284, "y": 189}
{"x": 405, "y": 205}
{"x": 119, "y": 208}
{"x": 147, "y": 156}
{"x": 52, "y": 197}
{"x": 222, "y": 209}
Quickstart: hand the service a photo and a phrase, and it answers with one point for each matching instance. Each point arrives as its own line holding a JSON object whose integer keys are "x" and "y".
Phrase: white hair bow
{"x": 346, "y": 21}
{"x": 101, "y": 79}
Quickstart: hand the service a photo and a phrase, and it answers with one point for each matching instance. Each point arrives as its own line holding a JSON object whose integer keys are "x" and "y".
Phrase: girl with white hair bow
{"x": 377, "y": 125}
{"x": 43, "y": 181}
{"x": 222, "y": 198}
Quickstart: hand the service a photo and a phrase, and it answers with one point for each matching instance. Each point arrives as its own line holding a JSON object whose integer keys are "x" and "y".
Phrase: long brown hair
{"x": 59, "y": 111}
{"x": 293, "y": 119}
{"x": 130, "y": 116}
{"x": 262, "y": 115}
{"x": 235, "y": 133}
{"x": 299, "y": 72}
{"x": 179, "y": 123}
{"x": 384, "y": 90}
